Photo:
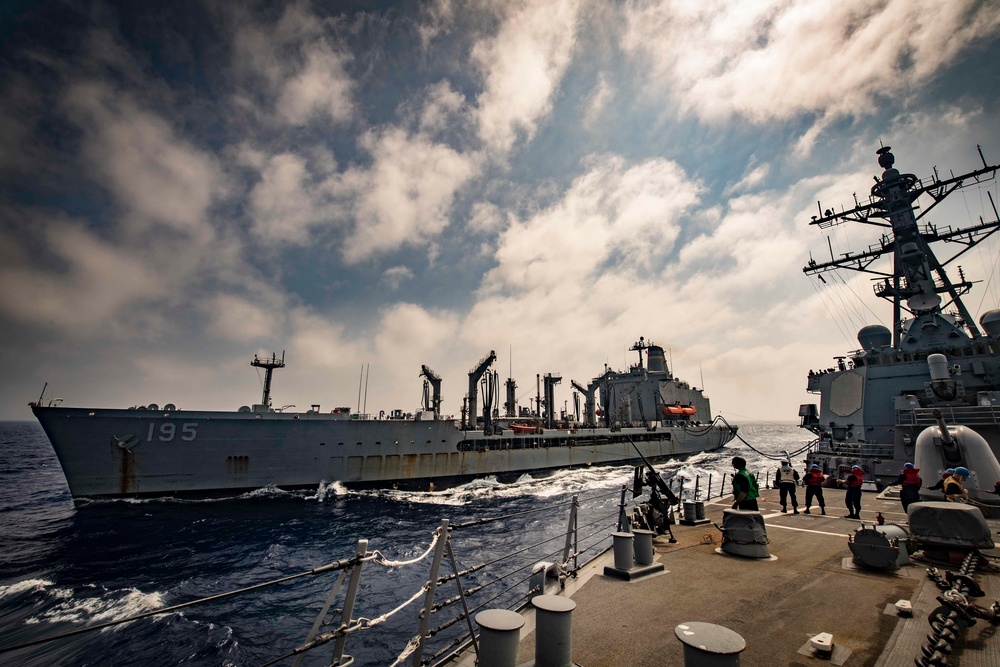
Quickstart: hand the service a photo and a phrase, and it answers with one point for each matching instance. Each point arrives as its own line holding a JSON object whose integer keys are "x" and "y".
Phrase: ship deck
{"x": 810, "y": 585}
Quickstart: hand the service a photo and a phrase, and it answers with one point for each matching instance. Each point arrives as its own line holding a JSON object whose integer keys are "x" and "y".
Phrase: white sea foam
{"x": 25, "y": 586}
{"x": 101, "y": 607}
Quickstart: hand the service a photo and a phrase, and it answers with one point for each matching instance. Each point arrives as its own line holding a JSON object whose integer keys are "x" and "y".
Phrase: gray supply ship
{"x": 935, "y": 365}
{"x": 148, "y": 450}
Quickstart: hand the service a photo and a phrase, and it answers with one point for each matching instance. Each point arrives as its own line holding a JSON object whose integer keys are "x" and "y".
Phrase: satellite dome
{"x": 991, "y": 322}
{"x": 875, "y": 336}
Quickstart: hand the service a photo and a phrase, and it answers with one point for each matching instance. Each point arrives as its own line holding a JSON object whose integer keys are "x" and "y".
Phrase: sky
{"x": 366, "y": 187}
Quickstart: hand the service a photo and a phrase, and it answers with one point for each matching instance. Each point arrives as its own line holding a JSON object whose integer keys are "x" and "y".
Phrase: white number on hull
{"x": 168, "y": 431}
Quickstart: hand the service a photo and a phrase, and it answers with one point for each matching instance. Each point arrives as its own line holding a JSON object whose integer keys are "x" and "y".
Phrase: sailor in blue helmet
{"x": 909, "y": 485}
{"x": 954, "y": 486}
{"x": 853, "y": 497}
{"x": 939, "y": 485}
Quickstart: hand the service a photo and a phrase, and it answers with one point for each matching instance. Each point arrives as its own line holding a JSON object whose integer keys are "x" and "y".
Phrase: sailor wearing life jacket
{"x": 939, "y": 485}
{"x": 853, "y": 496}
{"x": 909, "y": 482}
{"x": 786, "y": 477}
{"x": 813, "y": 481}
{"x": 954, "y": 486}
{"x": 745, "y": 491}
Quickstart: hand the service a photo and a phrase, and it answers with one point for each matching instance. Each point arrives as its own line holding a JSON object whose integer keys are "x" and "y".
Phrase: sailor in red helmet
{"x": 909, "y": 482}
{"x": 853, "y": 497}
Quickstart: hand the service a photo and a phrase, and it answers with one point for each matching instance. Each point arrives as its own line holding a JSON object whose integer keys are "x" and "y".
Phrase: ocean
{"x": 64, "y": 566}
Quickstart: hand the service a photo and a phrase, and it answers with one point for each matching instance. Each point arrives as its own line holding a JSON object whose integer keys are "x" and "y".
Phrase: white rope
{"x": 380, "y": 559}
{"x": 411, "y": 646}
{"x": 381, "y": 619}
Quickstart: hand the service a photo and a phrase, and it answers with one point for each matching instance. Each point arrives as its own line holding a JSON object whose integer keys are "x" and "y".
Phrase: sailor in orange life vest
{"x": 909, "y": 482}
{"x": 813, "y": 482}
{"x": 853, "y": 497}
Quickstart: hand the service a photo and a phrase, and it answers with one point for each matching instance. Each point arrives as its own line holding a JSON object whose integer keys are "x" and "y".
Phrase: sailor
{"x": 813, "y": 482}
{"x": 954, "y": 486}
{"x": 786, "y": 477}
{"x": 745, "y": 492}
{"x": 853, "y": 497}
{"x": 909, "y": 482}
{"x": 939, "y": 486}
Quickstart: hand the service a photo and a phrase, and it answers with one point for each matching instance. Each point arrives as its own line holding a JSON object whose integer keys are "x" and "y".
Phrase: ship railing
{"x": 966, "y": 415}
{"x": 457, "y": 587}
{"x": 855, "y": 449}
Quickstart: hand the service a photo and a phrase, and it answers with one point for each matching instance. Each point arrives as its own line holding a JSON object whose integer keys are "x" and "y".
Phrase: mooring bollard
{"x": 643, "y": 546}
{"x": 624, "y": 559}
{"x": 499, "y": 635}
{"x": 709, "y": 645}
{"x": 553, "y": 631}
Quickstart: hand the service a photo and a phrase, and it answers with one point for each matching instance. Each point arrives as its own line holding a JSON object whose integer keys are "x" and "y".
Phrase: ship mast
{"x": 268, "y": 365}
{"x": 918, "y": 279}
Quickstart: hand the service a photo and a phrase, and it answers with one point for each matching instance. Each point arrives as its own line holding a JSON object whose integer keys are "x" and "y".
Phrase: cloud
{"x": 94, "y": 284}
{"x": 522, "y": 66}
{"x": 393, "y": 277}
{"x": 304, "y": 71}
{"x": 289, "y": 200}
{"x": 755, "y": 174}
{"x": 155, "y": 175}
{"x": 613, "y": 215}
{"x": 322, "y": 88}
{"x": 404, "y": 198}
{"x": 485, "y": 218}
{"x": 776, "y": 60}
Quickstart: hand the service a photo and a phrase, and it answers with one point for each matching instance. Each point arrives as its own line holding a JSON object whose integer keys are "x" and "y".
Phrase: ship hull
{"x": 108, "y": 453}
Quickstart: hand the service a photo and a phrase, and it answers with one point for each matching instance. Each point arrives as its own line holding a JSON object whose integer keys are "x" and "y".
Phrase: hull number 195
{"x": 168, "y": 431}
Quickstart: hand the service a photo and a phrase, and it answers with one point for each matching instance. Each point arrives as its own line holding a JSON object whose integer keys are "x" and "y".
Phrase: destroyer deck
{"x": 776, "y": 605}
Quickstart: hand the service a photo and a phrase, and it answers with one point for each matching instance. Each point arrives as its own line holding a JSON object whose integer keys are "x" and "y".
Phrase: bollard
{"x": 624, "y": 559}
{"x": 643, "y": 546}
{"x": 499, "y": 635}
{"x": 709, "y": 645}
{"x": 694, "y": 513}
{"x": 553, "y": 631}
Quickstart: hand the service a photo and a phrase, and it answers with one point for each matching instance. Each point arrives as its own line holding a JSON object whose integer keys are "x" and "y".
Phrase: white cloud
{"x": 87, "y": 295}
{"x": 523, "y": 65}
{"x": 321, "y": 88}
{"x": 237, "y": 318}
{"x": 777, "y": 60}
{"x": 404, "y": 198}
{"x": 394, "y": 276}
{"x": 154, "y": 173}
{"x": 485, "y": 217}
{"x": 306, "y": 74}
{"x": 613, "y": 214}
{"x": 289, "y": 201}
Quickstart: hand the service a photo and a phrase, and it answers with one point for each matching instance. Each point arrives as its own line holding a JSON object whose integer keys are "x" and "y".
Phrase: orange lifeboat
{"x": 522, "y": 428}
{"x": 689, "y": 410}
{"x": 673, "y": 410}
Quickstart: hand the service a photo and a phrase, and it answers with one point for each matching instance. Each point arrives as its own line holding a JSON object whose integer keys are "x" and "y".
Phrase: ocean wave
{"x": 93, "y": 605}
{"x": 25, "y": 586}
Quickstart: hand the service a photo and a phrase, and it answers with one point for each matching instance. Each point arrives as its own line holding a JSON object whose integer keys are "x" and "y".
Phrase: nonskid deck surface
{"x": 808, "y": 586}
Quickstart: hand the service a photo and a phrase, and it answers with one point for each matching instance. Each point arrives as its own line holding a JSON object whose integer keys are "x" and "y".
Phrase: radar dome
{"x": 874, "y": 336}
{"x": 991, "y": 322}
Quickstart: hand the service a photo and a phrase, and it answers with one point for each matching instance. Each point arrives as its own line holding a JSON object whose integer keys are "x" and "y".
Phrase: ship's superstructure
{"x": 147, "y": 450}
{"x": 876, "y": 400}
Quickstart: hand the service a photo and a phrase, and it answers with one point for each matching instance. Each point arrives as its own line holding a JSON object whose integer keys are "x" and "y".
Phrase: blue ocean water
{"x": 66, "y": 566}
